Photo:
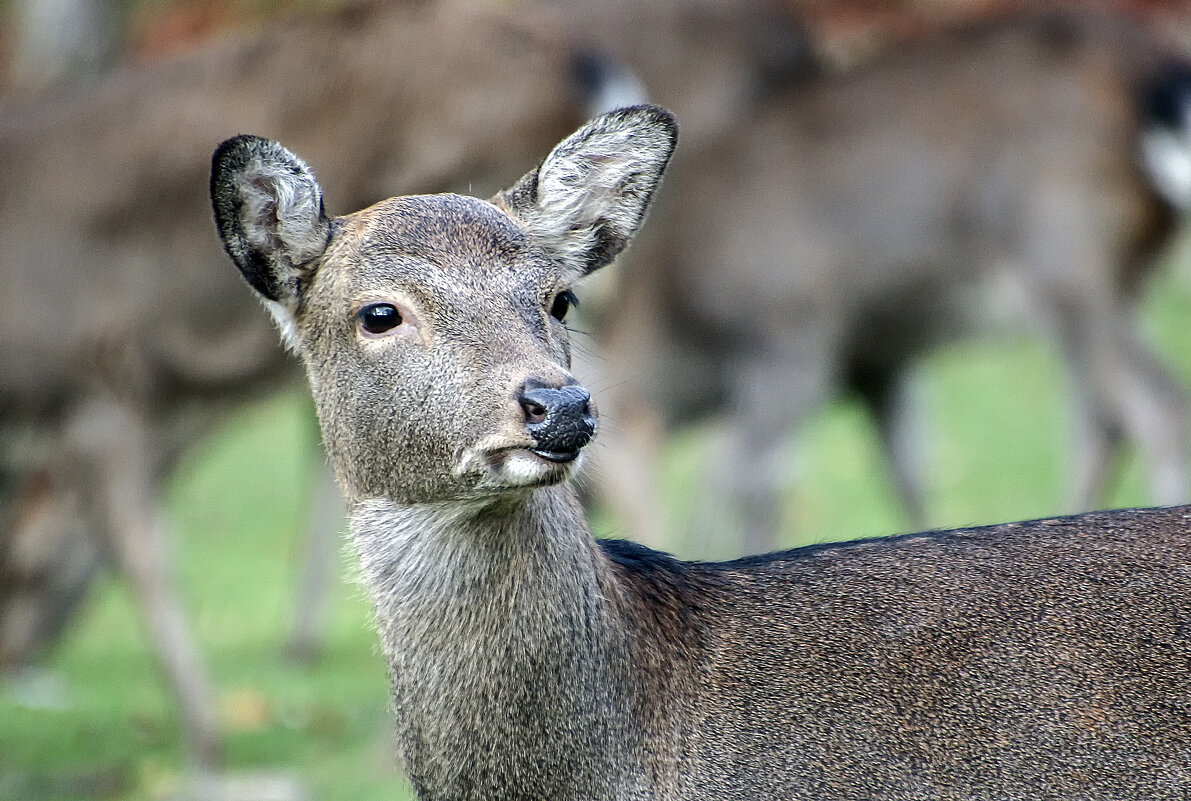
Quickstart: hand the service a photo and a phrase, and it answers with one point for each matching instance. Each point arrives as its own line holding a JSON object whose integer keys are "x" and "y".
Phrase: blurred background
{"x": 918, "y": 263}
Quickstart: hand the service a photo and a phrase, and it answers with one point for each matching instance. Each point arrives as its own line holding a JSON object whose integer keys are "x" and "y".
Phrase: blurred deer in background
{"x": 531, "y": 662}
{"x": 124, "y": 338}
{"x": 843, "y": 226}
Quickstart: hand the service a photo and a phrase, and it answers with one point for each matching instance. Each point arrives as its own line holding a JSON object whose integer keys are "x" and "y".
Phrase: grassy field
{"x": 97, "y": 724}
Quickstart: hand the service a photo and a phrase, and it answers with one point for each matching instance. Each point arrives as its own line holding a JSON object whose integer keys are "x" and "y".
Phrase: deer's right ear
{"x": 269, "y": 210}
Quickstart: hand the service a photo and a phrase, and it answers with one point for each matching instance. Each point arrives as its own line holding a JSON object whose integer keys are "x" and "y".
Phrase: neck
{"x": 509, "y": 663}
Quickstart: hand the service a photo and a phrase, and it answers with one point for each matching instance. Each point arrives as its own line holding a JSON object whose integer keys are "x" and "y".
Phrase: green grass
{"x": 106, "y": 729}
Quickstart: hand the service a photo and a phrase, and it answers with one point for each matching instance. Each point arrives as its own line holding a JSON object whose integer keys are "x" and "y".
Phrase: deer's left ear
{"x": 587, "y": 199}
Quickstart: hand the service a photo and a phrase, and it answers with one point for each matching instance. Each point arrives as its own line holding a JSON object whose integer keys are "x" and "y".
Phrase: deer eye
{"x": 563, "y": 302}
{"x": 377, "y": 318}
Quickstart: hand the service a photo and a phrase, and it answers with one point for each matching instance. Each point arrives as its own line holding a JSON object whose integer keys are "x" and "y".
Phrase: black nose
{"x": 560, "y": 420}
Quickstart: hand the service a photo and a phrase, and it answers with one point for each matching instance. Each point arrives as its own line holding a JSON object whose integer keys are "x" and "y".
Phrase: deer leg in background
{"x": 628, "y": 468}
{"x": 774, "y": 391}
{"x": 117, "y": 464}
{"x": 894, "y": 398}
{"x": 626, "y": 463}
{"x": 48, "y": 556}
{"x": 615, "y": 351}
{"x": 1120, "y": 378}
{"x": 1096, "y": 442}
{"x": 320, "y": 563}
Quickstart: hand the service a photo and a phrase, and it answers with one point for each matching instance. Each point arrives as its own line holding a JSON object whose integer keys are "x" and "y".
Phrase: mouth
{"x": 558, "y": 457}
{"x": 500, "y": 466}
{"x": 534, "y": 467}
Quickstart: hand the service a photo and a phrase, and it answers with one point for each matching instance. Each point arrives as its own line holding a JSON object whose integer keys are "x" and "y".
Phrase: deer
{"x": 530, "y": 660}
{"x": 123, "y": 341}
{"x": 829, "y": 229}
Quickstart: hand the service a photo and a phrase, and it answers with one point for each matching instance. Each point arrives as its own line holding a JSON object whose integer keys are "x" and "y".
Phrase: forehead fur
{"x": 451, "y": 232}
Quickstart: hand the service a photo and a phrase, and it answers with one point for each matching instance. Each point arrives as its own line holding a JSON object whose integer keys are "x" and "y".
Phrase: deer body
{"x": 938, "y": 665}
{"x": 793, "y": 675}
{"x": 530, "y": 661}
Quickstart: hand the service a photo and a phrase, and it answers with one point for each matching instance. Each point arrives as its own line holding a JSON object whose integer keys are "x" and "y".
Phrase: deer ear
{"x": 269, "y": 211}
{"x": 587, "y": 199}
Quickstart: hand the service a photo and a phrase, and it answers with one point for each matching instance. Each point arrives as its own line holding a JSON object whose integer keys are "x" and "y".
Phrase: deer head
{"x": 433, "y": 327}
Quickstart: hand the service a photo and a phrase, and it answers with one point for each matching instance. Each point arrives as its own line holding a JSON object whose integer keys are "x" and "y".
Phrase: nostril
{"x": 535, "y": 412}
{"x": 540, "y": 404}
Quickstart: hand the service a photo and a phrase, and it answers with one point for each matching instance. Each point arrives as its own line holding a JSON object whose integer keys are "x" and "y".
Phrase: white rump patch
{"x": 1166, "y": 155}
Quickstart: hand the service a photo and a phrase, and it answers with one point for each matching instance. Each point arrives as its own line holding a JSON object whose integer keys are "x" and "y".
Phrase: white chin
{"x": 520, "y": 468}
